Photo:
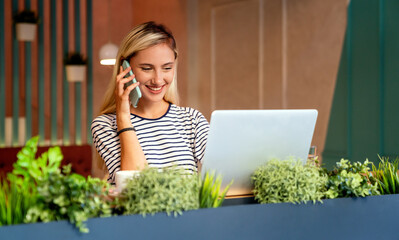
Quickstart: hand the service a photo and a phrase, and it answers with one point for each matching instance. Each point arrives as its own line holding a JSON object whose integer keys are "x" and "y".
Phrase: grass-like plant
{"x": 14, "y": 202}
{"x": 170, "y": 190}
{"x": 210, "y": 194}
{"x": 351, "y": 180}
{"x": 288, "y": 181}
{"x": 386, "y": 175}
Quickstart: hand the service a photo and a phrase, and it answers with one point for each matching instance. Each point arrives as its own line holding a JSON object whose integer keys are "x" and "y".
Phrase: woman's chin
{"x": 153, "y": 99}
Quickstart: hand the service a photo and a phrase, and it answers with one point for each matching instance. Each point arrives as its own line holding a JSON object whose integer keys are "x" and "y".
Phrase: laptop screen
{"x": 240, "y": 141}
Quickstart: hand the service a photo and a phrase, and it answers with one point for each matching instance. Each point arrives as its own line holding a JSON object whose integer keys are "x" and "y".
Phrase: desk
{"x": 372, "y": 217}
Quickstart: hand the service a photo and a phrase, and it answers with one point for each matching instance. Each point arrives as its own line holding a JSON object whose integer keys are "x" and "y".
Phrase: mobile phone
{"x": 135, "y": 94}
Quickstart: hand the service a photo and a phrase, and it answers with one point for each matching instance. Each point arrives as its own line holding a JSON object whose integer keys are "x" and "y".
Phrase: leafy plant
{"x": 36, "y": 190}
{"x": 75, "y": 58}
{"x": 386, "y": 176}
{"x": 350, "y": 180}
{"x": 18, "y": 191}
{"x": 26, "y": 16}
{"x": 210, "y": 195}
{"x": 288, "y": 181}
{"x": 29, "y": 170}
{"x": 70, "y": 196}
{"x": 171, "y": 191}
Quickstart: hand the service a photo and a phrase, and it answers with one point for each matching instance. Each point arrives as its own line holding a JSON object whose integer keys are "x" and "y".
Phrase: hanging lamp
{"x": 108, "y": 51}
{"x": 108, "y": 54}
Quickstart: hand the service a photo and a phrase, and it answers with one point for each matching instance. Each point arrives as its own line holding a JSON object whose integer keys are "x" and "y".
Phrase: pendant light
{"x": 108, "y": 51}
{"x": 108, "y": 54}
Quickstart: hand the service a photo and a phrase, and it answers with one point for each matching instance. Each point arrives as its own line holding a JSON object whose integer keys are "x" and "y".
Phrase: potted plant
{"x": 26, "y": 25}
{"x": 288, "y": 181}
{"x": 159, "y": 191}
{"x": 75, "y": 66}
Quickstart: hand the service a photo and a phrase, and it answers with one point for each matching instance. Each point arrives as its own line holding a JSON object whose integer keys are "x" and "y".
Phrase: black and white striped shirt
{"x": 177, "y": 138}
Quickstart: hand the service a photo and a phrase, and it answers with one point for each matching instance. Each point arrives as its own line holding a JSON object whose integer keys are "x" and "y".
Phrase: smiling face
{"x": 154, "y": 68}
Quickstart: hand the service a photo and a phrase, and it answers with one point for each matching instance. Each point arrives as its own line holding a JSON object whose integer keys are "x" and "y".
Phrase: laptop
{"x": 240, "y": 141}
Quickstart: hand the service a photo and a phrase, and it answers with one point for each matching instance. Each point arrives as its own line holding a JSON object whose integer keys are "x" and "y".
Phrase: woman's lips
{"x": 155, "y": 89}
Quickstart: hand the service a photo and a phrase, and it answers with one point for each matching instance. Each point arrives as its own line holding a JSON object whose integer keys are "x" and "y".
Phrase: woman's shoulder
{"x": 187, "y": 112}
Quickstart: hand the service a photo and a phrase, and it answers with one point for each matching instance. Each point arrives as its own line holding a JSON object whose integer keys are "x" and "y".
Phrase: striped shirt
{"x": 178, "y": 138}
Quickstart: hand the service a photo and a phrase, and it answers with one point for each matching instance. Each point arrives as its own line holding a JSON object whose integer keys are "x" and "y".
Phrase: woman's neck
{"x": 151, "y": 110}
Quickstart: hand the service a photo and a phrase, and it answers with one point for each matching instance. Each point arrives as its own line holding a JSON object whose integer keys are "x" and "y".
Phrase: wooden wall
{"x": 266, "y": 54}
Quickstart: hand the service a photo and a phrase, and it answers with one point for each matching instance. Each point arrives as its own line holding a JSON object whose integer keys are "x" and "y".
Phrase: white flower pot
{"x": 26, "y": 31}
{"x": 76, "y": 73}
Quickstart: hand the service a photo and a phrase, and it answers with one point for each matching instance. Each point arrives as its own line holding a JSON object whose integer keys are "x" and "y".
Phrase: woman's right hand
{"x": 122, "y": 97}
{"x": 132, "y": 156}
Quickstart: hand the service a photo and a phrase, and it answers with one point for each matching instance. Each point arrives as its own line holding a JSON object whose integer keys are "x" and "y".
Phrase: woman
{"x": 157, "y": 132}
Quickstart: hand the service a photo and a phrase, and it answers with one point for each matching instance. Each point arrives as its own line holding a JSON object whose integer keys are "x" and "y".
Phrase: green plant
{"x": 386, "y": 175}
{"x": 18, "y": 191}
{"x": 74, "y": 58}
{"x": 14, "y": 202}
{"x": 350, "y": 180}
{"x": 70, "y": 196}
{"x": 29, "y": 170}
{"x": 210, "y": 195}
{"x": 169, "y": 190}
{"x": 36, "y": 190}
{"x": 26, "y": 16}
{"x": 288, "y": 181}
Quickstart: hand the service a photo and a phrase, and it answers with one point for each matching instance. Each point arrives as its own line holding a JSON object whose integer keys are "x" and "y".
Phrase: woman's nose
{"x": 158, "y": 77}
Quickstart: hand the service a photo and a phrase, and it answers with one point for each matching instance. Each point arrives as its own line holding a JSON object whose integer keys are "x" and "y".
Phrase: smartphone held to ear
{"x": 135, "y": 94}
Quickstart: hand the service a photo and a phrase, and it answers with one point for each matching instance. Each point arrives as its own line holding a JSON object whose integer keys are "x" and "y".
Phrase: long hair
{"x": 139, "y": 38}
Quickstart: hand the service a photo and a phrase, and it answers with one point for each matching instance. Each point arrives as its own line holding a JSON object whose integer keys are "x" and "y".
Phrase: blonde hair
{"x": 139, "y": 38}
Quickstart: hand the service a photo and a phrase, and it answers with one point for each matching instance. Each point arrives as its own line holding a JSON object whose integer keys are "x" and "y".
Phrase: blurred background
{"x": 340, "y": 57}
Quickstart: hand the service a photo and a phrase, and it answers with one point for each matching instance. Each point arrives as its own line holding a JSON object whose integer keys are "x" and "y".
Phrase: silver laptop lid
{"x": 239, "y": 141}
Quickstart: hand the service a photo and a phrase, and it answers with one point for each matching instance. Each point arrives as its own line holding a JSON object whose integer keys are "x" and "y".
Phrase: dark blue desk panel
{"x": 373, "y": 217}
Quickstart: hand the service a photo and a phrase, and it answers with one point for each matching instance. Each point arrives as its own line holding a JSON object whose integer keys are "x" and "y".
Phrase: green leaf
{"x": 210, "y": 196}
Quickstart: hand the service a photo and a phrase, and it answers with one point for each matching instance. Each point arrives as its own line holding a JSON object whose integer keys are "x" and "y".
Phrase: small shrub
{"x": 170, "y": 190}
{"x": 350, "y": 180}
{"x": 288, "y": 181}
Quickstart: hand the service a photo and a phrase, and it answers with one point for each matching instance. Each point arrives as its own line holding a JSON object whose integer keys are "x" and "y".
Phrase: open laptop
{"x": 240, "y": 141}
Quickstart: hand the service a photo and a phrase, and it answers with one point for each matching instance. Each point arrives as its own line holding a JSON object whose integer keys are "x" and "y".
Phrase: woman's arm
{"x": 201, "y": 137}
{"x": 132, "y": 156}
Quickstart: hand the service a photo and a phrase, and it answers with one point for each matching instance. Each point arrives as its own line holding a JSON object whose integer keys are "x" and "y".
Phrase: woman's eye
{"x": 145, "y": 69}
{"x": 167, "y": 68}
